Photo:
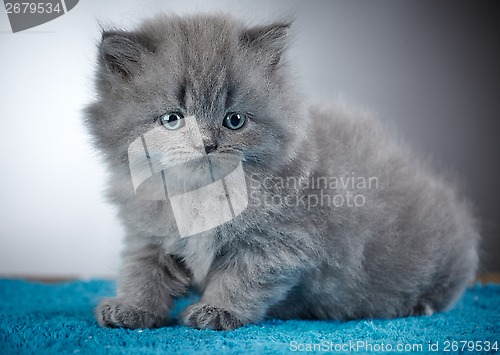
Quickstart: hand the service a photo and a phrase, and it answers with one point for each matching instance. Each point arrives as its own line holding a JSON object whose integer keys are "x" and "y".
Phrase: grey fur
{"x": 411, "y": 249}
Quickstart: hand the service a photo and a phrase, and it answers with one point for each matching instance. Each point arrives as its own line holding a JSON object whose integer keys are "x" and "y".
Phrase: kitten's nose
{"x": 210, "y": 147}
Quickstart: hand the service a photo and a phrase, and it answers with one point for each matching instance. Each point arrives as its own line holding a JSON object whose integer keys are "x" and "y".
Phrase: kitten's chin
{"x": 195, "y": 173}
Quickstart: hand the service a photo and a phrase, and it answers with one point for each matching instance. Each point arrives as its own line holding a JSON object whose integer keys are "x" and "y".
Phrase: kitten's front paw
{"x": 205, "y": 316}
{"x": 117, "y": 313}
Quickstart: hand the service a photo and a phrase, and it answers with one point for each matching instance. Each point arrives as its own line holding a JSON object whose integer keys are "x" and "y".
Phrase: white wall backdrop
{"x": 402, "y": 60}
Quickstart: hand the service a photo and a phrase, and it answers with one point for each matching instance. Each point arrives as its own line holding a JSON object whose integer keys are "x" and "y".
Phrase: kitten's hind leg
{"x": 147, "y": 284}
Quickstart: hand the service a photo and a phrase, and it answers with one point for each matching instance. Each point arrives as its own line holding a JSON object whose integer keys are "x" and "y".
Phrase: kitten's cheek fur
{"x": 204, "y": 316}
{"x": 117, "y": 313}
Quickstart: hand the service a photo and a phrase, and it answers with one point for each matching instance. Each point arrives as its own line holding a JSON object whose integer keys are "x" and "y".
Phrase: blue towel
{"x": 57, "y": 319}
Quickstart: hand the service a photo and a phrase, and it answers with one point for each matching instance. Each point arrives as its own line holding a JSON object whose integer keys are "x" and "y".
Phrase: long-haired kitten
{"x": 332, "y": 219}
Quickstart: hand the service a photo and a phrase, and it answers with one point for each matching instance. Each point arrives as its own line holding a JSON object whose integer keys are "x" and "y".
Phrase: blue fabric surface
{"x": 57, "y": 319}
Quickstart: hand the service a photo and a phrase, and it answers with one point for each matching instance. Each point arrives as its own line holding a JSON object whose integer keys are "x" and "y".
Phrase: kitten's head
{"x": 232, "y": 78}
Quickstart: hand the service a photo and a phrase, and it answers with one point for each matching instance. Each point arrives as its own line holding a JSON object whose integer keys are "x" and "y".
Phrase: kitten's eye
{"x": 172, "y": 121}
{"x": 234, "y": 120}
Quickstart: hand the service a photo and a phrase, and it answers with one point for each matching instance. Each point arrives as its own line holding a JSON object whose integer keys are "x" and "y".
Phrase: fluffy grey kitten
{"x": 342, "y": 222}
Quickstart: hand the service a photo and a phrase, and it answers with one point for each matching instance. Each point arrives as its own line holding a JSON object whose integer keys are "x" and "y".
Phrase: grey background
{"x": 431, "y": 69}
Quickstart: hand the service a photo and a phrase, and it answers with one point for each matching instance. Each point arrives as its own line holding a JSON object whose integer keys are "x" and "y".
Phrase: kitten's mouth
{"x": 199, "y": 172}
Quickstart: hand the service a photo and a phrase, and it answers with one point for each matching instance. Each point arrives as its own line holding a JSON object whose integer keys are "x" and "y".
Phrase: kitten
{"x": 339, "y": 221}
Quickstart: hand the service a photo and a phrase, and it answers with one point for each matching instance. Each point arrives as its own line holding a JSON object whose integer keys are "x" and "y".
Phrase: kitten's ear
{"x": 121, "y": 52}
{"x": 269, "y": 40}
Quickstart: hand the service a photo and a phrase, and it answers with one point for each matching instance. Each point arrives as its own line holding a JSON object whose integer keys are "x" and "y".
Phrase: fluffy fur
{"x": 410, "y": 249}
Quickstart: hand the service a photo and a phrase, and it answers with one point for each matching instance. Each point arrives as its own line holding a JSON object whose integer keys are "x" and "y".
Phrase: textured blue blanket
{"x": 58, "y": 319}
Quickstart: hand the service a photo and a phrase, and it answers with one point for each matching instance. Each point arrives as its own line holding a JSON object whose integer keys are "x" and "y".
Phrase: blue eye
{"x": 234, "y": 120}
{"x": 172, "y": 121}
